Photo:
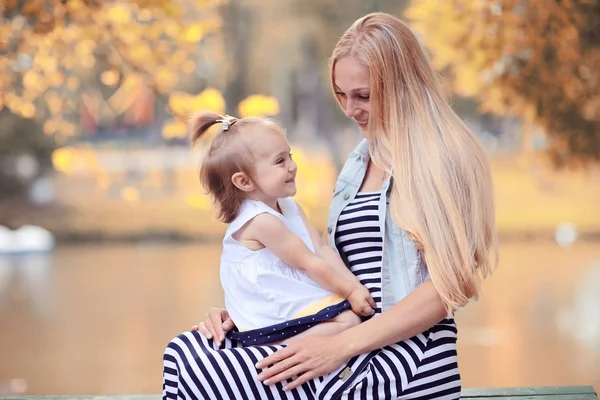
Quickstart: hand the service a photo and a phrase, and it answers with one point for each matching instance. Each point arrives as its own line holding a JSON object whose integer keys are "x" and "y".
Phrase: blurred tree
{"x": 238, "y": 36}
{"x": 534, "y": 59}
{"x": 58, "y": 54}
{"x": 322, "y": 24}
{"x": 68, "y": 64}
{"x": 24, "y": 156}
{"x": 28, "y": 153}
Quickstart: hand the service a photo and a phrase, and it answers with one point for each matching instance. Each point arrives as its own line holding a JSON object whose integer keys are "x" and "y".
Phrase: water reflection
{"x": 95, "y": 319}
{"x": 520, "y": 304}
{"x": 26, "y": 278}
{"x": 581, "y": 318}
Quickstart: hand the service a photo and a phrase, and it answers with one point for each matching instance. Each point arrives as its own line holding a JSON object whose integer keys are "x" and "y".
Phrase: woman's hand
{"x": 311, "y": 357}
{"x": 216, "y": 322}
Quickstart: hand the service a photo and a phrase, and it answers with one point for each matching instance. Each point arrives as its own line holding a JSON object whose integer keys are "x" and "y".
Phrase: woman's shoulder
{"x": 357, "y": 159}
{"x": 361, "y": 149}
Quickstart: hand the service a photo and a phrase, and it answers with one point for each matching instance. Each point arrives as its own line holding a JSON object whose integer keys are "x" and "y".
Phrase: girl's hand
{"x": 311, "y": 357}
{"x": 216, "y": 322}
{"x": 362, "y": 302}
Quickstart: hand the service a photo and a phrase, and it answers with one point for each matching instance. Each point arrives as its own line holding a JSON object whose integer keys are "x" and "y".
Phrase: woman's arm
{"x": 417, "y": 312}
{"x": 318, "y": 356}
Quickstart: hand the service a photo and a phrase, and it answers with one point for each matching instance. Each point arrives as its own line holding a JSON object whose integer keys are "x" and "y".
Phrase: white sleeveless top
{"x": 260, "y": 289}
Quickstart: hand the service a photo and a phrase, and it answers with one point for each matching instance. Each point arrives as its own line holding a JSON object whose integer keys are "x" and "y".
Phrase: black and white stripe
{"x": 359, "y": 240}
{"x": 422, "y": 367}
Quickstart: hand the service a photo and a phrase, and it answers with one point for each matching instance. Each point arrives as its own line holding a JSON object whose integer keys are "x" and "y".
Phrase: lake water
{"x": 95, "y": 319}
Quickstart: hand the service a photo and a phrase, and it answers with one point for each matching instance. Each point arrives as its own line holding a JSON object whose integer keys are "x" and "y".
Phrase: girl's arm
{"x": 272, "y": 233}
{"x": 323, "y": 250}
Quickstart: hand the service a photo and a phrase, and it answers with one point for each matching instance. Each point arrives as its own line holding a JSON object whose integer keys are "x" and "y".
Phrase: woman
{"x": 412, "y": 216}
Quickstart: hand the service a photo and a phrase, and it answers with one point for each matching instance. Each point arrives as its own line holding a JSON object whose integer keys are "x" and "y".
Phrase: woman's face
{"x": 353, "y": 88}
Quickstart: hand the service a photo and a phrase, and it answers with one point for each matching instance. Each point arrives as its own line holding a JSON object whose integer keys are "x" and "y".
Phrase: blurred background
{"x": 109, "y": 246}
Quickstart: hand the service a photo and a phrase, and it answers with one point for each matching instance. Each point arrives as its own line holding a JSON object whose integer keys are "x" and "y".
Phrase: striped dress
{"x": 422, "y": 367}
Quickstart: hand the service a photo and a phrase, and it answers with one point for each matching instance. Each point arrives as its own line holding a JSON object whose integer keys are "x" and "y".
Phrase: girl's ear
{"x": 243, "y": 182}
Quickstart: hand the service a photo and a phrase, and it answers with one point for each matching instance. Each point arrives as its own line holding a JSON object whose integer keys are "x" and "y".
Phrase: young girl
{"x": 280, "y": 280}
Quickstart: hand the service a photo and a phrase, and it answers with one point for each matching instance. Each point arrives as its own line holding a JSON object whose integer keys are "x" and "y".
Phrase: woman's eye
{"x": 364, "y": 98}
{"x": 340, "y": 94}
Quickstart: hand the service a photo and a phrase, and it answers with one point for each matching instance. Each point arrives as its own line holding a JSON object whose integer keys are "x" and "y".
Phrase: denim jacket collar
{"x": 362, "y": 149}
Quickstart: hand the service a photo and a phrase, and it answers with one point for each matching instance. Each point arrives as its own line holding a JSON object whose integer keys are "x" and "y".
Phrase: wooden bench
{"x": 524, "y": 393}
{"x": 531, "y": 393}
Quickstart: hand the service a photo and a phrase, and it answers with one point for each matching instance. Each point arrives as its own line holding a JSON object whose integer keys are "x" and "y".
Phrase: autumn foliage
{"x": 539, "y": 60}
{"x": 55, "y": 54}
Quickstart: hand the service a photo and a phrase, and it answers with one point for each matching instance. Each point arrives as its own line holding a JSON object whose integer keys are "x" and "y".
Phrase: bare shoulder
{"x": 265, "y": 223}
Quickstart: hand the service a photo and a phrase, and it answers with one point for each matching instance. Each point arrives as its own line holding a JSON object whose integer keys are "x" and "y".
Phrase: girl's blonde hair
{"x": 442, "y": 192}
{"x": 228, "y": 154}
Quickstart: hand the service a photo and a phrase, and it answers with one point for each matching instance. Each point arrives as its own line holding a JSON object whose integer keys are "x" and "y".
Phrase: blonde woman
{"x": 413, "y": 218}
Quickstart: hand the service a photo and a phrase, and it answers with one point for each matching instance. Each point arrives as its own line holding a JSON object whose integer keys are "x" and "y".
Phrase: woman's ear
{"x": 242, "y": 182}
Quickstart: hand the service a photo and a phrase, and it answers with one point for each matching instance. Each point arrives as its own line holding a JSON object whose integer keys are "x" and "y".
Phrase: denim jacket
{"x": 402, "y": 267}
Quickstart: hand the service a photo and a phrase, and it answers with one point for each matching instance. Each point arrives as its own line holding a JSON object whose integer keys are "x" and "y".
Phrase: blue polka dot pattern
{"x": 288, "y": 329}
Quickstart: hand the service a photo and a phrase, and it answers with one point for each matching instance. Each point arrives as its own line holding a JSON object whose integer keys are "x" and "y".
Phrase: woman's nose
{"x": 350, "y": 109}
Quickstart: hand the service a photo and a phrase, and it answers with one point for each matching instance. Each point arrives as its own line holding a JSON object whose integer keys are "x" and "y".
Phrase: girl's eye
{"x": 279, "y": 161}
{"x": 291, "y": 156}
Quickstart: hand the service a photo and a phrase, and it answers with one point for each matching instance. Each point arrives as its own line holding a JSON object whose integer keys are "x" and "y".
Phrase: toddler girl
{"x": 279, "y": 279}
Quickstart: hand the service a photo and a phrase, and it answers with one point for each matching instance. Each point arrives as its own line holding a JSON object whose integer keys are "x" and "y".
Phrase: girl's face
{"x": 353, "y": 87}
{"x": 274, "y": 170}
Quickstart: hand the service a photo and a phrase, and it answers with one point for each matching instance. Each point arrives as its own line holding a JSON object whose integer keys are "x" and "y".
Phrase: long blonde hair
{"x": 442, "y": 192}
